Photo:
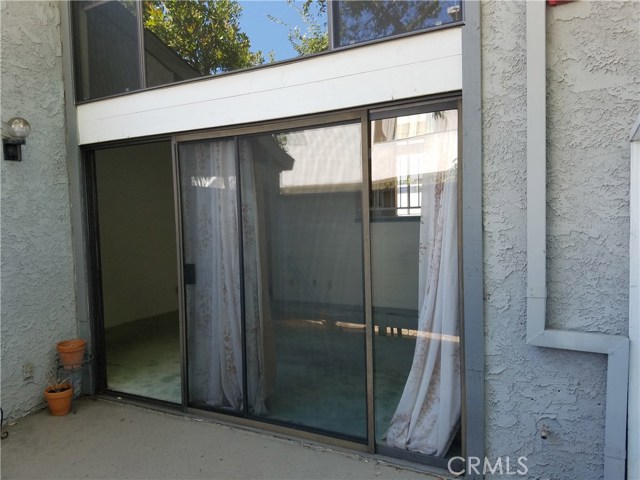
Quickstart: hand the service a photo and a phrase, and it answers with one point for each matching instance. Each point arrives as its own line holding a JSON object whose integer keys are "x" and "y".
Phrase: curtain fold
{"x": 259, "y": 326}
{"x": 213, "y": 298}
{"x": 428, "y": 414}
{"x": 213, "y": 301}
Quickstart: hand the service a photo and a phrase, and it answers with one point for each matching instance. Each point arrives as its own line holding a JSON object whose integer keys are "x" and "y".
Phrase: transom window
{"x": 124, "y": 46}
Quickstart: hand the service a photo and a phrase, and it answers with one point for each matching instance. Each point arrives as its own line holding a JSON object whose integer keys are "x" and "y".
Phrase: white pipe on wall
{"x": 633, "y": 433}
{"x": 614, "y": 346}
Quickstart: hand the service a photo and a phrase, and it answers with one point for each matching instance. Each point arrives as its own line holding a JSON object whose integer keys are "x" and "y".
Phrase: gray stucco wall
{"x": 594, "y": 79}
{"x": 37, "y": 289}
{"x": 593, "y": 97}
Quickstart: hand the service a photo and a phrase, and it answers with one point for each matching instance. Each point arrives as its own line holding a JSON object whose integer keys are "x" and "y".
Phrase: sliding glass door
{"x": 415, "y": 294}
{"x": 273, "y": 284}
{"x": 321, "y": 281}
{"x": 139, "y": 349}
{"x": 304, "y": 308}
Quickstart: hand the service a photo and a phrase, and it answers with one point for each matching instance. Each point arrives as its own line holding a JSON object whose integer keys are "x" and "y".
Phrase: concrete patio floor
{"x": 119, "y": 441}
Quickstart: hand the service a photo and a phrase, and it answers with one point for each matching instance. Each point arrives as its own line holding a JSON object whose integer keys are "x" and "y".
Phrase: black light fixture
{"x": 17, "y": 131}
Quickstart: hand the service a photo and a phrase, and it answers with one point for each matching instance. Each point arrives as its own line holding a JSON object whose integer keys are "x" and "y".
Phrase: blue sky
{"x": 265, "y": 34}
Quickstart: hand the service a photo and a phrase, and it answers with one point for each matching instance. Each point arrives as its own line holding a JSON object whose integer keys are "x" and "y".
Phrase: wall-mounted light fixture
{"x": 17, "y": 131}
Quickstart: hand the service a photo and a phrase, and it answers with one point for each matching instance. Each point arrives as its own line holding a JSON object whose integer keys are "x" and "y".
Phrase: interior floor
{"x": 319, "y": 380}
{"x": 143, "y": 357}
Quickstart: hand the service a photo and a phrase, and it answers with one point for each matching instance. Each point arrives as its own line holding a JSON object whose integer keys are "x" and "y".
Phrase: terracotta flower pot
{"x": 59, "y": 398}
{"x": 71, "y": 353}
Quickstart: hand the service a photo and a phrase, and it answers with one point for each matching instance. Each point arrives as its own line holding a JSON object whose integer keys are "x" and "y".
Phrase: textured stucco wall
{"x": 594, "y": 93}
{"x": 37, "y": 291}
{"x": 593, "y": 97}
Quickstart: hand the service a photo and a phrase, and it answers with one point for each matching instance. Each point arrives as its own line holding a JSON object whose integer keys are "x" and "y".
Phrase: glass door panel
{"x": 106, "y": 48}
{"x": 303, "y": 280}
{"x": 414, "y": 264}
{"x": 212, "y": 274}
{"x": 136, "y": 213}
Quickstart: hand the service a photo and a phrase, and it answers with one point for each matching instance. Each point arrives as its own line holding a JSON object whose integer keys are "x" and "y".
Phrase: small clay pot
{"x": 59, "y": 398}
{"x": 71, "y": 353}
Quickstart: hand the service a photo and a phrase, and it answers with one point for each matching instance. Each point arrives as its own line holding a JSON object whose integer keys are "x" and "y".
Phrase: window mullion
{"x": 141, "y": 47}
{"x": 368, "y": 292}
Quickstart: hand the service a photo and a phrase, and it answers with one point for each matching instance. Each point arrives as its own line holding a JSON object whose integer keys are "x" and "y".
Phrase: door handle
{"x": 189, "y": 273}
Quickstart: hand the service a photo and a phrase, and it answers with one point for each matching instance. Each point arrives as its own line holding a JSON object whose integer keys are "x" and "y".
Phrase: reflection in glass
{"x": 286, "y": 28}
{"x": 190, "y": 38}
{"x": 303, "y": 278}
{"x": 359, "y": 21}
{"x": 415, "y": 281}
{"x": 186, "y": 39}
{"x": 106, "y": 48}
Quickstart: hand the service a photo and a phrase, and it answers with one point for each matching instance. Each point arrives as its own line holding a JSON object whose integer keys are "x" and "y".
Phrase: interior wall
{"x": 394, "y": 263}
{"x": 314, "y": 266}
{"x": 317, "y": 249}
{"x": 137, "y": 232}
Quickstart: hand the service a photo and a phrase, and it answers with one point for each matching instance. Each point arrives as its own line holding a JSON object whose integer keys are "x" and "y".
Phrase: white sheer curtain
{"x": 428, "y": 414}
{"x": 210, "y": 224}
{"x": 259, "y": 327}
{"x": 211, "y": 244}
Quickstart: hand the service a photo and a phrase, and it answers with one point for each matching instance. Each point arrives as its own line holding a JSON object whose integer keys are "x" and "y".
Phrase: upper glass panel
{"x": 357, "y": 21}
{"x": 122, "y": 46}
{"x": 106, "y": 48}
{"x": 188, "y": 39}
